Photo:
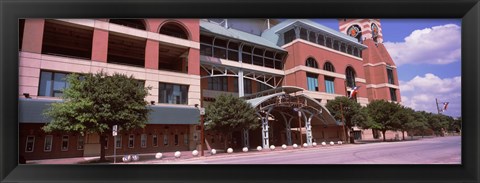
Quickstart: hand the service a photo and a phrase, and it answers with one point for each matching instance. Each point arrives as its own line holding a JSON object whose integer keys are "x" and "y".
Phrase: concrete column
{"x": 33, "y": 35}
{"x": 241, "y": 92}
{"x": 100, "y": 45}
{"x": 151, "y": 54}
{"x": 194, "y": 61}
{"x": 265, "y": 140}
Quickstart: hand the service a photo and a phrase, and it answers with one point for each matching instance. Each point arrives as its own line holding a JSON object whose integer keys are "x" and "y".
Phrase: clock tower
{"x": 362, "y": 29}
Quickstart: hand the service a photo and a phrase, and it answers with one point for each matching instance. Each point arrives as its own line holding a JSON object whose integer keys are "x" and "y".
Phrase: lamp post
{"x": 299, "y": 125}
{"x": 202, "y": 137}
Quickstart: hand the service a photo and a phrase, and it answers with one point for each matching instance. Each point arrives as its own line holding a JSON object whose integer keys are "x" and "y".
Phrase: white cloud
{"x": 420, "y": 93}
{"x": 435, "y": 45}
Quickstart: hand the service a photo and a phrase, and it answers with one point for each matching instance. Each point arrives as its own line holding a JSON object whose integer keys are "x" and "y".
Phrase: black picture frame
{"x": 467, "y": 10}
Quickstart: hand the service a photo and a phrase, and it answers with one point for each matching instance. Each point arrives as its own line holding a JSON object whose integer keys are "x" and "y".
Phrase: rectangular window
{"x": 30, "y": 144}
{"x": 262, "y": 87}
{"x": 155, "y": 140}
{"x": 205, "y": 50}
{"x": 52, "y": 84}
{"x": 176, "y": 139}
{"x": 173, "y": 93}
{"x": 312, "y": 82}
{"x": 235, "y": 85}
{"x": 106, "y": 142}
{"x": 218, "y": 83}
{"x": 247, "y": 86}
{"x": 329, "y": 84}
{"x": 143, "y": 140}
{"x": 80, "y": 142}
{"x": 289, "y": 36}
{"x": 390, "y": 75}
{"x": 185, "y": 139}
{"x": 131, "y": 141}
{"x": 393, "y": 94}
{"x": 47, "y": 147}
{"x": 118, "y": 142}
{"x": 65, "y": 143}
{"x": 165, "y": 138}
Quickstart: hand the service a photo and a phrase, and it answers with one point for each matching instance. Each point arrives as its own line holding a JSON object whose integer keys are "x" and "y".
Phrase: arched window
{"x": 133, "y": 23}
{"x": 311, "y": 62}
{"x": 350, "y": 73}
{"x": 328, "y": 67}
{"x": 174, "y": 29}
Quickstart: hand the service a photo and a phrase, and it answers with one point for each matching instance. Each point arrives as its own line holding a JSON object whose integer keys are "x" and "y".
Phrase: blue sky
{"x": 427, "y": 54}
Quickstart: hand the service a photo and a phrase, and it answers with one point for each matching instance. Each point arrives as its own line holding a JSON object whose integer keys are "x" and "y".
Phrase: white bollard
{"x": 229, "y": 150}
{"x": 284, "y": 146}
{"x": 178, "y": 154}
{"x": 314, "y": 144}
{"x": 195, "y": 153}
{"x": 305, "y": 145}
{"x": 339, "y": 142}
{"x": 135, "y": 157}
{"x": 127, "y": 158}
{"x": 331, "y": 143}
{"x": 259, "y": 148}
{"x": 245, "y": 149}
{"x": 213, "y": 151}
{"x": 272, "y": 147}
{"x": 324, "y": 143}
{"x": 295, "y": 146}
{"x": 158, "y": 156}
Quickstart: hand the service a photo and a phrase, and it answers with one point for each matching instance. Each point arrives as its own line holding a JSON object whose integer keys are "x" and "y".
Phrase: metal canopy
{"x": 281, "y": 100}
{"x": 31, "y": 111}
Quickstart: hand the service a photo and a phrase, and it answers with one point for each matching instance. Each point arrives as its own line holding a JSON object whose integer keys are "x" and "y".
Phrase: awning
{"x": 31, "y": 111}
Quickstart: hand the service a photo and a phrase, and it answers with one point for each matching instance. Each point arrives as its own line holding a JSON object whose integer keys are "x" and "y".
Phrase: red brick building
{"x": 261, "y": 60}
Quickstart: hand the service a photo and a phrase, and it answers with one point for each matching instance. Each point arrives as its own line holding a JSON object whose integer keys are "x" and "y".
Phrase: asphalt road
{"x": 440, "y": 150}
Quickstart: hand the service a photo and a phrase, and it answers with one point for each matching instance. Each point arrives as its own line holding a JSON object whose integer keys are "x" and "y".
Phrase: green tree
{"x": 419, "y": 123}
{"x": 228, "y": 114}
{"x": 343, "y": 108}
{"x": 404, "y": 120}
{"x": 437, "y": 123}
{"x": 94, "y": 103}
{"x": 382, "y": 114}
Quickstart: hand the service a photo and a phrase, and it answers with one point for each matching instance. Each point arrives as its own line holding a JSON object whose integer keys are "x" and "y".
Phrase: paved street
{"x": 440, "y": 150}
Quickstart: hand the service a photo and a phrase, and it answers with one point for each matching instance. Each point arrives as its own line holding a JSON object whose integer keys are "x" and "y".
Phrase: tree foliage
{"x": 383, "y": 115}
{"x": 93, "y": 103}
{"x": 228, "y": 114}
{"x": 353, "y": 113}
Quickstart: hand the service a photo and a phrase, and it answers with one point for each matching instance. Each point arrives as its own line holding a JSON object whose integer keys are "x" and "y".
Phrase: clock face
{"x": 374, "y": 30}
{"x": 353, "y": 31}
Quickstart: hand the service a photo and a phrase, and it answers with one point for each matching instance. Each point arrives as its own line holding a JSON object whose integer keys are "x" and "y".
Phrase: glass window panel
{"x": 118, "y": 142}
{"x": 45, "y": 84}
{"x": 48, "y": 143}
{"x": 155, "y": 140}
{"x": 80, "y": 142}
{"x": 30, "y": 144}
{"x": 233, "y": 55}
{"x": 220, "y": 53}
{"x": 205, "y": 50}
{"x": 65, "y": 143}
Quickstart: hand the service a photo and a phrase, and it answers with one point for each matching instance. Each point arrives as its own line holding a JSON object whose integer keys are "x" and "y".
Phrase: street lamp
{"x": 299, "y": 124}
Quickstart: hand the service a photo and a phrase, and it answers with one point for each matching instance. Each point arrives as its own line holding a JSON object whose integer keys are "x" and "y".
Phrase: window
{"x": 67, "y": 40}
{"x": 131, "y": 141}
{"x": 165, "y": 138}
{"x": 329, "y": 84}
{"x": 336, "y": 45}
{"x": 321, "y": 40}
{"x": 390, "y": 75}
{"x": 176, "y": 139}
{"x": 343, "y": 47}
{"x": 65, "y": 143}
{"x": 218, "y": 83}
{"x": 173, "y": 93}
{"x": 80, "y": 142}
{"x": 312, "y": 37}
{"x": 52, "y": 84}
{"x": 235, "y": 85}
{"x": 262, "y": 87}
{"x": 220, "y": 47}
{"x": 175, "y": 30}
{"x": 47, "y": 147}
{"x": 143, "y": 140}
{"x": 303, "y": 34}
{"x": 106, "y": 142}
{"x": 30, "y": 144}
{"x": 233, "y": 51}
{"x": 393, "y": 94}
{"x": 155, "y": 140}
{"x": 118, "y": 142}
{"x": 289, "y": 36}
{"x": 185, "y": 139}
{"x": 126, "y": 50}
{"x": 312, "y": 82}
{"x": 247, "y": 54}
{"x": 350, "y": 73}
{"x": 206, "y": 43}
{"x": 355, "y": 52}
{"x": 133, "y": 23}
{"x": 328, "y": 67}
{"x": 247, "y": 86}
{"x": 311, "y": 62}
{"x": 329, "y": 42}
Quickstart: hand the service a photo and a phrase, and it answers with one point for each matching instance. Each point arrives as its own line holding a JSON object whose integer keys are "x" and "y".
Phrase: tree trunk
{"x": 403, "y": 135}
{"x": 347, "y": 135}
{"x": 225, "y": 142}
{"x": 383, "y": 133}
{"x": 102, "y": 147}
